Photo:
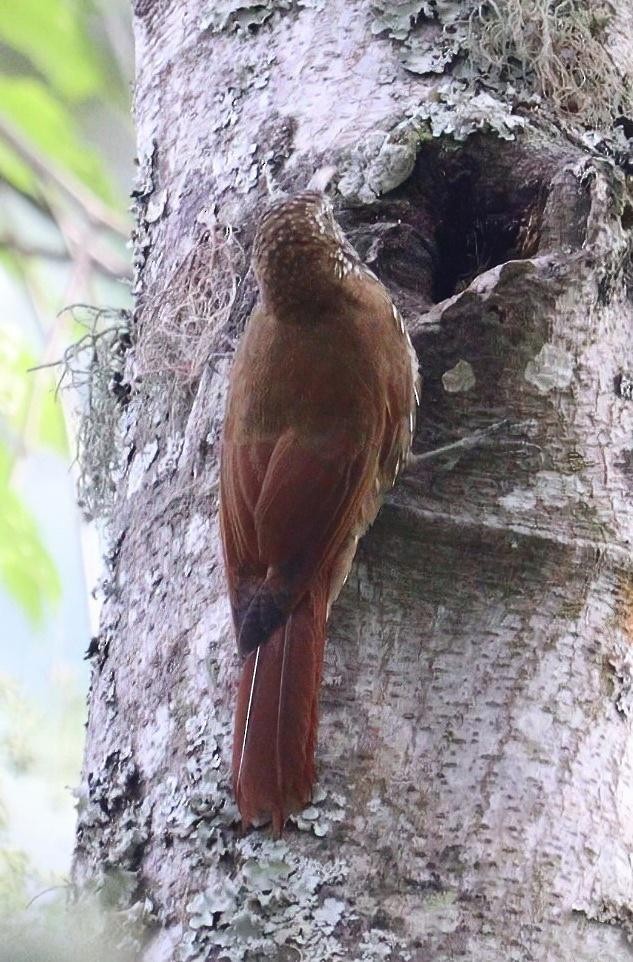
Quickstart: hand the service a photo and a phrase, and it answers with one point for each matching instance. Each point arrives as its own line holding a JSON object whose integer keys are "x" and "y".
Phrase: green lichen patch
{"x": 381, "y": 161}
{"x": 320, "y": 817}
{"x": 431, "y": 34}
{"x": 114, "y": 817}
{"x": 384, "y": 159}
{"x": 554, "y": 54}
{"x": 398, "y": 17}
{"x": 458, "y": 114}
{"x": 251, "y": 897}
{"x": 231, "y": 15}
{"x": 610, "y": 912}
{"x": 271, "y": 903}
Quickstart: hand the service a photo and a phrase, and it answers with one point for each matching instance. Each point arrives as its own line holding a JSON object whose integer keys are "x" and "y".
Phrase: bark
{"x": 475, "y": 753}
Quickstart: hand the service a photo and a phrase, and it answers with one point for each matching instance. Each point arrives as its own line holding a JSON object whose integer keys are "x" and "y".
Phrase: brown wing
{"x": 286, "y": 509}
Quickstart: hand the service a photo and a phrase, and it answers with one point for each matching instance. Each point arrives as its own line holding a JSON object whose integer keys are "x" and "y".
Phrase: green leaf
{"x": 16, "y": 172}
{"x": 51, "y": 425}
{"x": 14, "y": 387}
{"x": 28, "y": 405}
{"x": 13, "y": 878}
{"x": 50, "y": 34}
{"x": 26, "y": 568}
{"x": 29, "y": 106}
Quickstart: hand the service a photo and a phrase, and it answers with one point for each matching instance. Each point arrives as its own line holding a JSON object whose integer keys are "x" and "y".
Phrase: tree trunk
{"x": 476, "y": 768}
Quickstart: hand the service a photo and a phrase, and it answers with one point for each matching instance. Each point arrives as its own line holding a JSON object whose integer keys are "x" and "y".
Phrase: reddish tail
{"x": 277, "y": 715}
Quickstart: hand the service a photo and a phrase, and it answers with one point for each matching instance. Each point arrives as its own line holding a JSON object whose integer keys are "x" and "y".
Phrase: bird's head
{"x": 300, "y": 253}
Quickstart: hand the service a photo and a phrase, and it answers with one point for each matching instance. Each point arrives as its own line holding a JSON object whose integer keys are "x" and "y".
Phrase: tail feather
{"x": 276, "y": 717}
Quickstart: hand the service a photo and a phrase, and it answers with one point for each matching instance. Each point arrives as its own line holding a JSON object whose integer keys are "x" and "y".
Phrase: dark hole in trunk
{"x": 466, "y": 208}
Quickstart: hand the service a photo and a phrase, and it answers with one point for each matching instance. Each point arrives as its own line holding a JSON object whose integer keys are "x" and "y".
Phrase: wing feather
{"x": 309, "y": 499}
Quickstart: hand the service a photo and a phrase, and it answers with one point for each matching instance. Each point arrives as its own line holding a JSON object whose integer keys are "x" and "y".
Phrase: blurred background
{"x": 66, "y": 151}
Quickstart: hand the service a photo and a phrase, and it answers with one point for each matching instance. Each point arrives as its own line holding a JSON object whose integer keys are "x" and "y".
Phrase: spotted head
{"x": 300, "y": 254}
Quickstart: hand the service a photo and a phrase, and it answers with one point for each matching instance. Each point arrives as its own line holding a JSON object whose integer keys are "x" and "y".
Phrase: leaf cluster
{"x": 62, "y": 235}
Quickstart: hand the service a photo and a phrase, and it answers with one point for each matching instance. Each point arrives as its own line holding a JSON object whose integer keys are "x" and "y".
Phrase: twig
{"x": 41, "y": 367}
{"x": 31, "y": 250}
{"x": 470, "y": 441}
{"x": 97, "y": 312}
{"x": 51, "y": 888}
{"x": 106, "y": 261}
{"x": 93, "y": 207}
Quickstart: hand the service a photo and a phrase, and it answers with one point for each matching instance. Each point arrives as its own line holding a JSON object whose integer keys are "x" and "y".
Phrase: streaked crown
{"x": 300, "y": 250}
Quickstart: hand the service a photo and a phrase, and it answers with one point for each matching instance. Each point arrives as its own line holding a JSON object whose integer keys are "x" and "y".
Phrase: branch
{"x": 94, "y": 208}
{"x": 464, "y": 444}
{"x": 31, "y": 250}
{"x": 104, "y": 260}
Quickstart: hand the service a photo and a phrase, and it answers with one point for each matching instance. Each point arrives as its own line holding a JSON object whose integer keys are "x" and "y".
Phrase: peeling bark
{"x": 476, "y": 788}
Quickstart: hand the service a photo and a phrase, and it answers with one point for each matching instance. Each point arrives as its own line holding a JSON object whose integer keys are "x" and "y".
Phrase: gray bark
{"x": 475, "y": 754}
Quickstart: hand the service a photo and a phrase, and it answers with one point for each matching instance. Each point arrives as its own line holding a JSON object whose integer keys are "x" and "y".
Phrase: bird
{"x": 319, "y": 422}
